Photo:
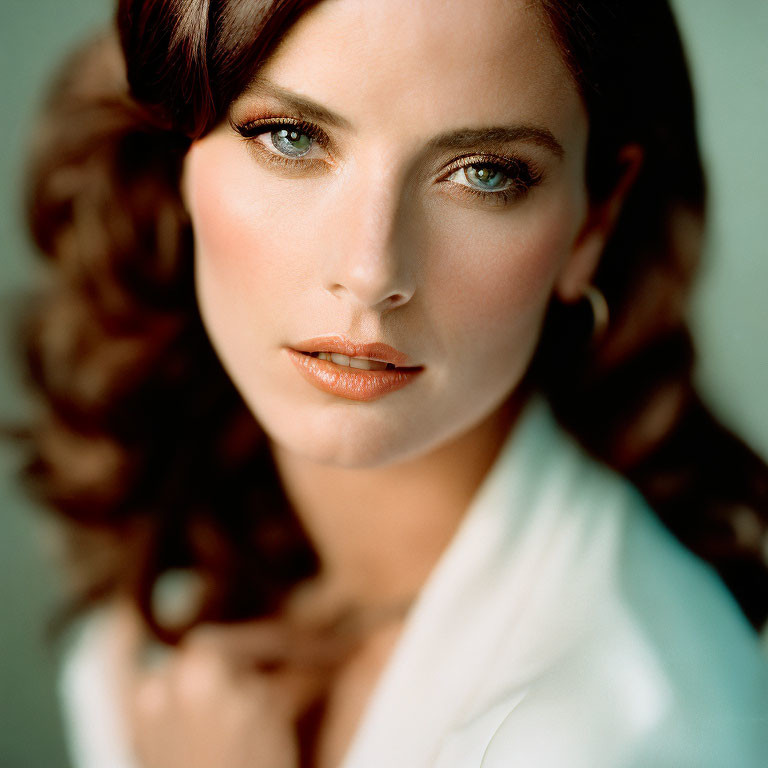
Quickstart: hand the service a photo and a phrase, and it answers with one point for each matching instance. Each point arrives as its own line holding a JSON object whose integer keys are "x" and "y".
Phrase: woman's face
{"x": 409, "y": 172}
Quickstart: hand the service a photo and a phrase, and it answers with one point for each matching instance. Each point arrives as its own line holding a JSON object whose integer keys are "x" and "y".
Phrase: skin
{"x": 366, "y": 238}
{"x": 370, "y": 237}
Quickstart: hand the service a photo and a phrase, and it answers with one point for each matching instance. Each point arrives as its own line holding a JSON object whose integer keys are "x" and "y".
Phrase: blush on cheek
{"x": 240, "y": 245}
{"x": 224, "y": 209}
{"x": 515, "y": 269}
{"x": 498, "y": 279}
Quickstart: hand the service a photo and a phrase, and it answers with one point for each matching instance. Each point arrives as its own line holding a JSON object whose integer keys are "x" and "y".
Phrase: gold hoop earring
{"x": 600, "y": 312}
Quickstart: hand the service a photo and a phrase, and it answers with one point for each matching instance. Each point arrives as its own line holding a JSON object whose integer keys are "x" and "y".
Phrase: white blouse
{"x": 563, "y": 627}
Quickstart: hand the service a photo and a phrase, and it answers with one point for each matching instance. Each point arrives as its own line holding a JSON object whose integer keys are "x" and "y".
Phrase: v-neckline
{"x": 485, "y": 531}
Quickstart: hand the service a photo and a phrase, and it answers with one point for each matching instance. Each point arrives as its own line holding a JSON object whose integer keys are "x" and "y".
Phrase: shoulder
{"x": 712, "y": 671}
{"x": 668, "y": 671}
{"x": 674, "y": 602}
{"x": 89, "y": 688}
{"x": 656, "y": 664}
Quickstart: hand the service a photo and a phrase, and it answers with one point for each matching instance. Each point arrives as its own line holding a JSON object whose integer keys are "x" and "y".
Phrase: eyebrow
{"x": 463, "y": 138}
{"x": 301, "y": 105}
{"x": 471, "y": 137}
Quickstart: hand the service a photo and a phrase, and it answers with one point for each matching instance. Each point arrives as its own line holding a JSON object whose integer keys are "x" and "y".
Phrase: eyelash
{"x": 523, "y": 175}
{"x": 251, "y": 129}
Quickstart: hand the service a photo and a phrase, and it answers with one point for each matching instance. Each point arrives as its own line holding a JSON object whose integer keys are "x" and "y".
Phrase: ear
{"x": 601, "y": 219}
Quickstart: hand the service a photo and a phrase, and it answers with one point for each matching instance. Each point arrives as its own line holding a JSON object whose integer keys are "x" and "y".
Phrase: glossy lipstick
{"x": 352, "y": 383}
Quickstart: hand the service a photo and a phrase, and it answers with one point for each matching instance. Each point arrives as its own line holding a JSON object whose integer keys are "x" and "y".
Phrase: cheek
{"x": 502, "y": 272}
{"x": 242, "y": 258}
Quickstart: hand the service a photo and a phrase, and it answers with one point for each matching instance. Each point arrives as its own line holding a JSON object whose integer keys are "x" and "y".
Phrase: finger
{"x": 198, "y": 675}
{"x": 149, "y": 716}
{"x": 269, "y": 645}
{"x": 203, "y": 672}
{"x": 232, "y": 718}
{"x": 151, "y": 696}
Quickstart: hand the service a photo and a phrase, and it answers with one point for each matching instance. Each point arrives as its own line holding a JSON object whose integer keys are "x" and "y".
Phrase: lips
{"x": 341, "y": 345}
{"x": 349, "y": 382}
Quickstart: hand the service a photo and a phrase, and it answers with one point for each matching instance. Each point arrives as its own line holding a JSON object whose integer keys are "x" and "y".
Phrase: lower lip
{"x": 351, "y": 383}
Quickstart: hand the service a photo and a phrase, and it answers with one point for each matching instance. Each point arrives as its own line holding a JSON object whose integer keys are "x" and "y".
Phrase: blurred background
{"x": 729, "y": 57}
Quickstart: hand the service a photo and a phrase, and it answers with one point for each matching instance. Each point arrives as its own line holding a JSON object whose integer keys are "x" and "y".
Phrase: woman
{"x": 405, "y": 227}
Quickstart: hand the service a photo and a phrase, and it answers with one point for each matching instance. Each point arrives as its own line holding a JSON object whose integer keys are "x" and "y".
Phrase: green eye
{"x": 496, "y": 180}
{"x": 291, "y": 142}
{"x": 486, "y": 177}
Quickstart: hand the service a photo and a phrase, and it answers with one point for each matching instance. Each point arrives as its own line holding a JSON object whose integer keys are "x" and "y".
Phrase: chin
{"x": 339, "y": 435}
{"x": 352, "y": 435}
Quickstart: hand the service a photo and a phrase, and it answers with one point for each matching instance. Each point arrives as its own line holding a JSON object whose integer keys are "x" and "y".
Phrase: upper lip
{"x": 374, "y": 350}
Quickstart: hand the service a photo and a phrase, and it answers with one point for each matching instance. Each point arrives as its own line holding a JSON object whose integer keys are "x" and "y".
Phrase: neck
{"x": 380, "y": 531}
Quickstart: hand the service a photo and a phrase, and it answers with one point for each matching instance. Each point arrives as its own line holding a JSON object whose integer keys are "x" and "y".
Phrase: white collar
{"x": 437, "y": 676}
{"x": 561, "y": 601}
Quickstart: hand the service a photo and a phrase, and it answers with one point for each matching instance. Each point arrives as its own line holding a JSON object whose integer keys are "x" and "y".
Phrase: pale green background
{"x": 729, "y": 52}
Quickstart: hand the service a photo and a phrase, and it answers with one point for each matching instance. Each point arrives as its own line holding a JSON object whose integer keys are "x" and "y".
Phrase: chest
{"x": 328, "y": 726}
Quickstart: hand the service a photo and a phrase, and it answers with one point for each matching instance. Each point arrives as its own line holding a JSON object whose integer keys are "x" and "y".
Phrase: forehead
{"x": 452, "y": 63}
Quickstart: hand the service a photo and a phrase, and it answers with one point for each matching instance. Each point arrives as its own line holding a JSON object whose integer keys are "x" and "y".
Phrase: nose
{"x": 368, "y": 257}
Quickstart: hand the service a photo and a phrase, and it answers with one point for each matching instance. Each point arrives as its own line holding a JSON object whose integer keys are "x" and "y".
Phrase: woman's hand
{"x": 228, "y": 696}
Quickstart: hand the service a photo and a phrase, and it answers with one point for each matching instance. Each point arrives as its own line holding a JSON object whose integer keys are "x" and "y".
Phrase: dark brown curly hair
{"x": 143, "y": 446}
